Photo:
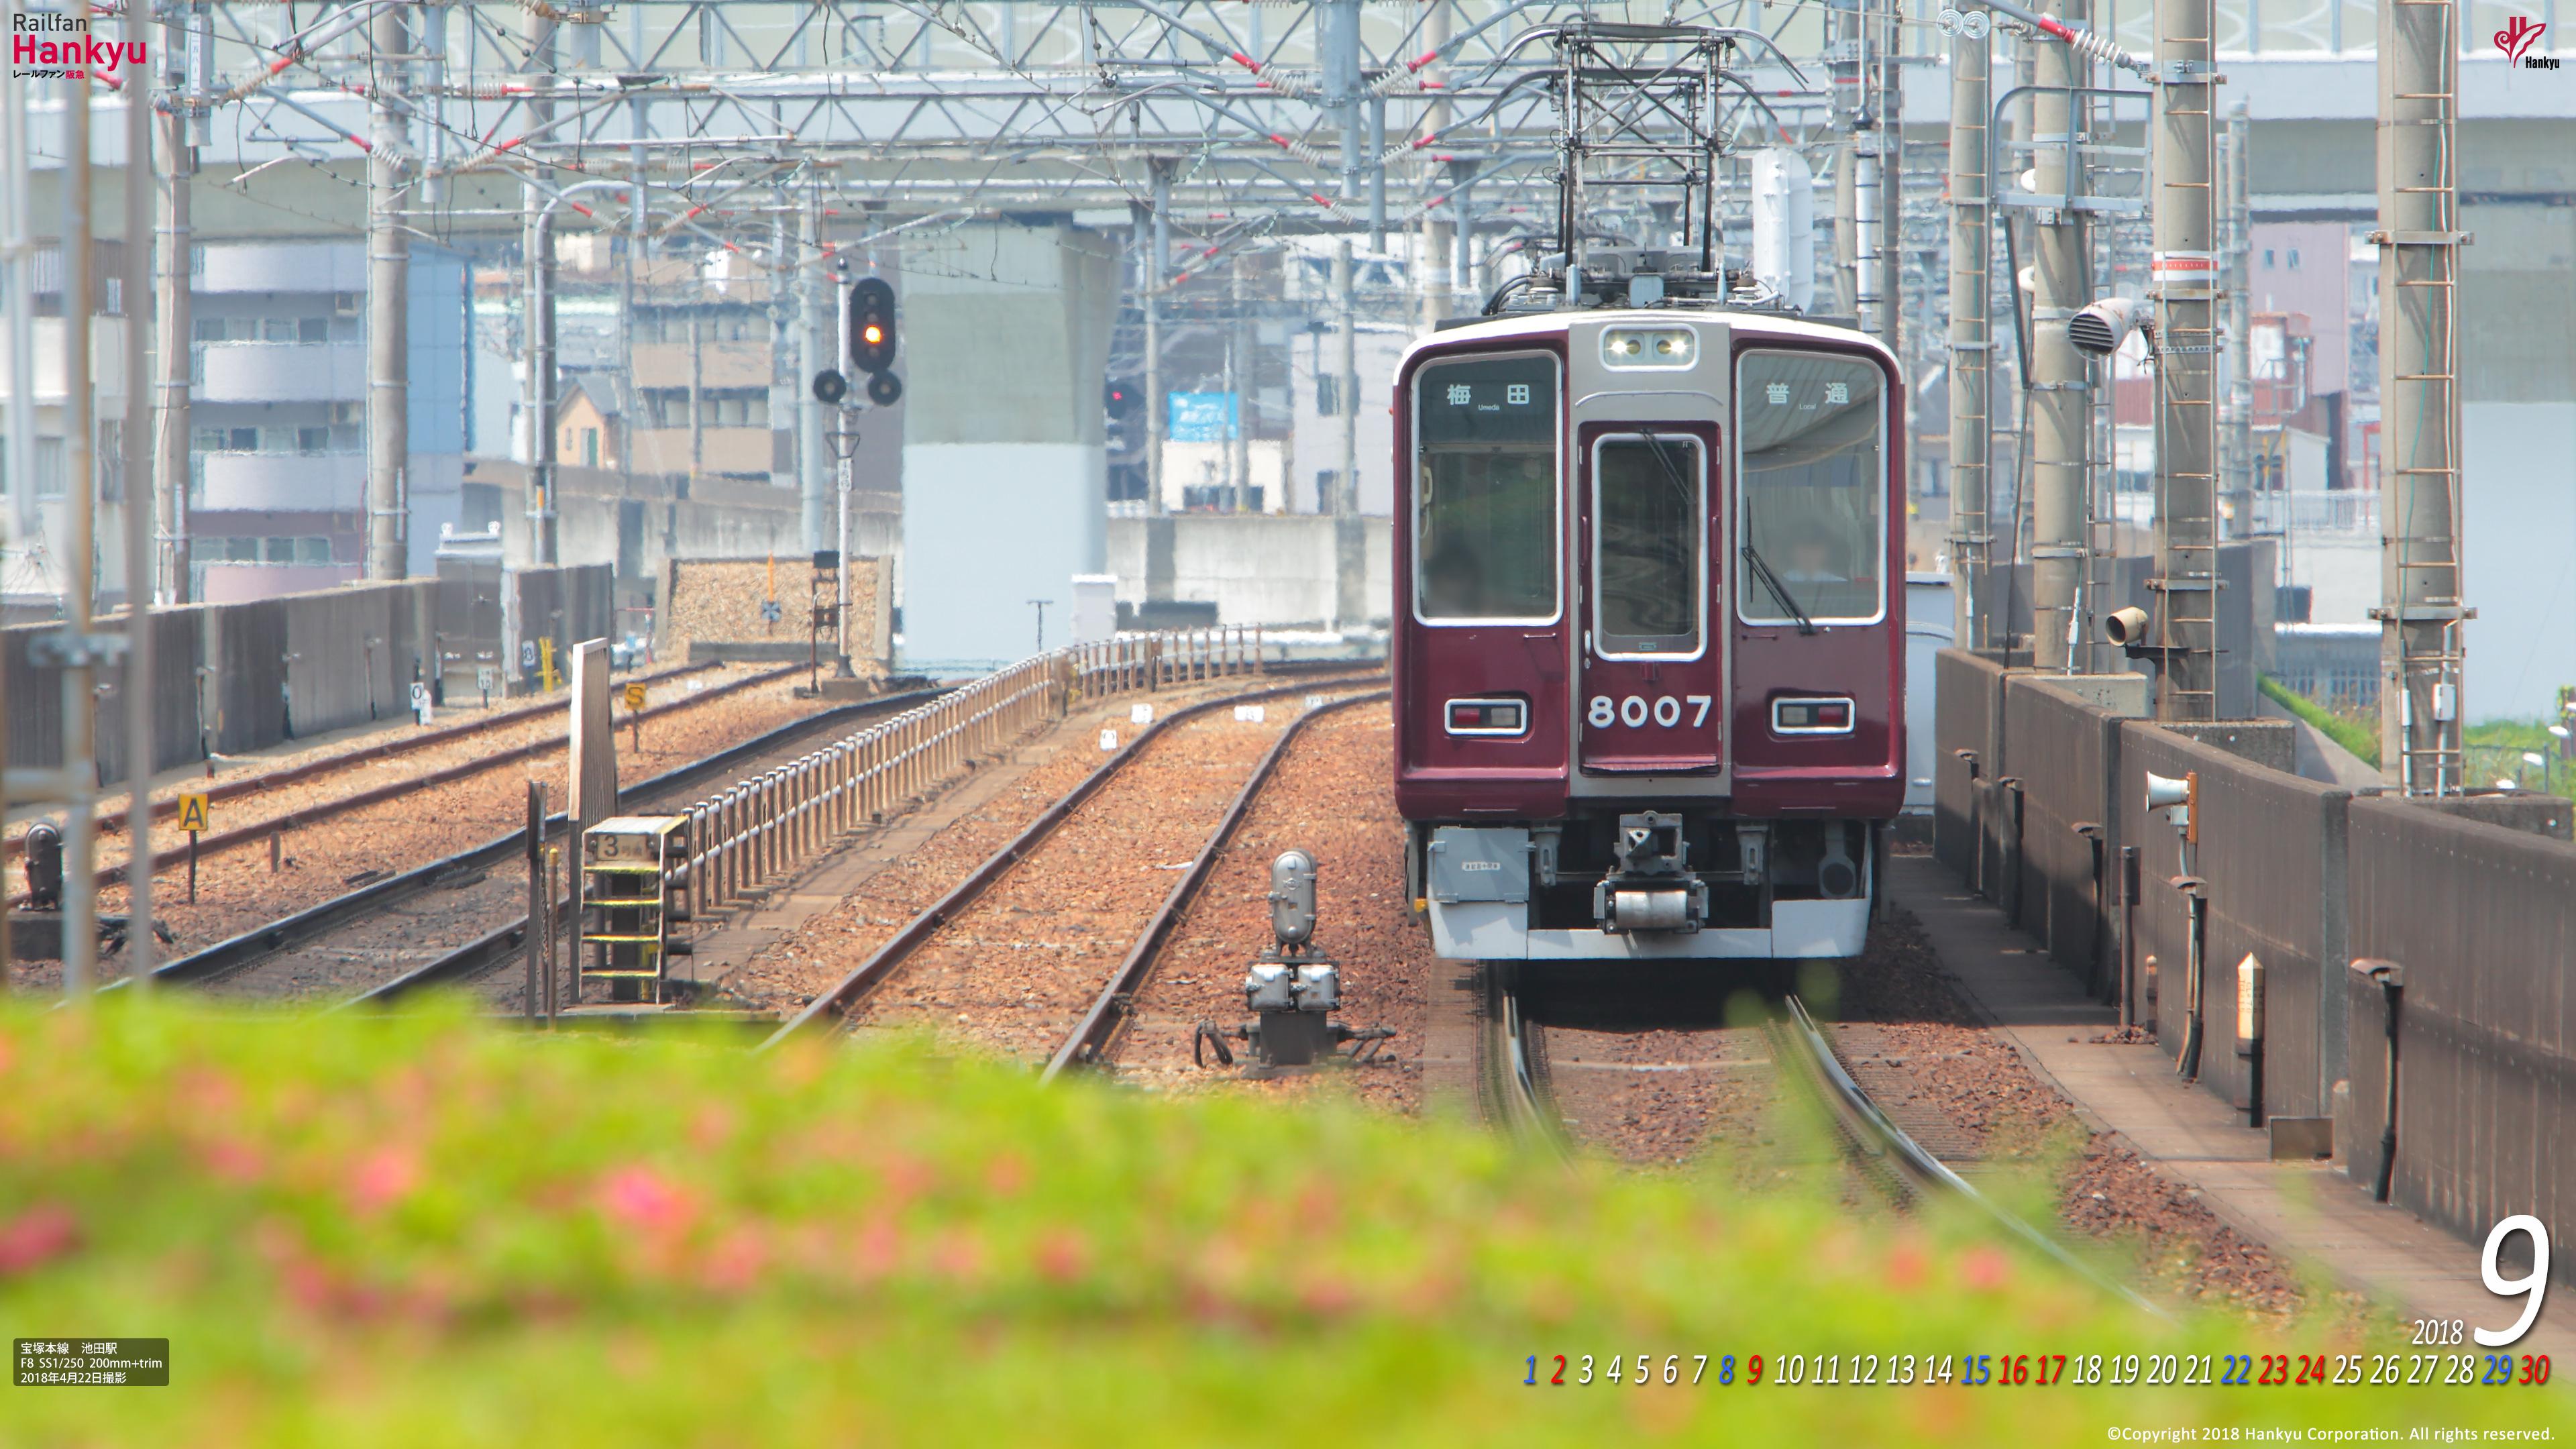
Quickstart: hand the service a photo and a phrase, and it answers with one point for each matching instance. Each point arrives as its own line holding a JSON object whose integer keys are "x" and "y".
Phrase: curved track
{"x": 1518, "y": 1088}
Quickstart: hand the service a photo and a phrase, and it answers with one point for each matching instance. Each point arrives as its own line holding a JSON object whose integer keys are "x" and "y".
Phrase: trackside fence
{"x": 2040, "y": 805}
{"x": 759, "y": 828}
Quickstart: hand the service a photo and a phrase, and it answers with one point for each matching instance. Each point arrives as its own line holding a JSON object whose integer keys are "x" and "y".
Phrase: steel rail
{"x": 1512, "y": 1075}
{"x": 216, "y": 792}
{"x": 898, "y": 948}
{"x": 1890, "y": 1143}
{"x": 395, "y": 789}
{"x": 250, "y": 947}
{"x": 1090, "y": 1039}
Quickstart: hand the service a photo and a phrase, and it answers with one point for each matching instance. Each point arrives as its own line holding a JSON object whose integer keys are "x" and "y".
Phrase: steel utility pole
{"x": 812, "y": 293}
{"x": 72, "y": 646}
{"x": 1888, "y": 134}
{"x": 537, "y": 342}
{"x": 2236, "y": 432}
{"x": 1843, "y": 34}
{"x": 2059, "y": 419}
{"x": 2421, "y": 650}
{"x": 2183, "y": 273}
{"x": 540, "y": 393}
{"x": 1238, "y": 368}
{"x": 1149, "y": 282}
{"x": 388, "y": 304}
{"x": 1439, "y": 223}
{"x": 1971, "y": 338}
{"x": 1346, "y": 484}
{"x": 175, "y": 364}
{"x": 18, "y": 257}
{"x": 139, "y": 497}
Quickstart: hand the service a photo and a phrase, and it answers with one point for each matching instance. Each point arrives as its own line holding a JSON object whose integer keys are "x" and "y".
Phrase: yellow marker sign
{"x": 193, "y": 815}
{"x": 635, "y": 696}
{"x": 546, "y": 665}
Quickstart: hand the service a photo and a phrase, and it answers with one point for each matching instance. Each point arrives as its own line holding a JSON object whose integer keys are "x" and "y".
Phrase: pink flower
{"x": 639, "y": 1197}
{"x": 1985, "y": 1268}
{"x": 383, "y": 1178}
{"x": 36, "y": 1237}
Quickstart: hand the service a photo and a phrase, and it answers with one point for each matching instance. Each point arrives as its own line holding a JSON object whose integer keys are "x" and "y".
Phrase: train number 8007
{"x": 1635, "y": 710}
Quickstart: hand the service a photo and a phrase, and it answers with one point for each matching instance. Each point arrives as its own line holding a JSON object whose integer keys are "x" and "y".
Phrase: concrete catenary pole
{"x": 1971, "y": 338}
{"x": 2183, "y": 272}
{"x": 139, "y": 492}
{"x": 80, "y": 492}
{"x": 173, "y": 301}
{"x": 2060, "y": 420}
{"x": 2421, "y": 594}
{"x": 388, "y": 305}
{"x": 2236, "y": 413}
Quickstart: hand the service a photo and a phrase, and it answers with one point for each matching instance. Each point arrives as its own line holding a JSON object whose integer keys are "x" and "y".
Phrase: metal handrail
{"x": 759, "y": 828}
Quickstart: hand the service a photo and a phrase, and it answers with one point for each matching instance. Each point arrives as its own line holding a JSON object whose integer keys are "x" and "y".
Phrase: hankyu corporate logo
{"x": 46, "y": 46}
{"x": 2516, "y": 40}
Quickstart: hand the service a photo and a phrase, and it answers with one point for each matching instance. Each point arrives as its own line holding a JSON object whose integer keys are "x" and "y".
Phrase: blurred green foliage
{"x": 430, "y": 1232}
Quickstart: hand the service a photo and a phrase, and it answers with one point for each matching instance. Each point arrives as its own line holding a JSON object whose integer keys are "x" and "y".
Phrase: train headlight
{"x": 1632, "y": 347}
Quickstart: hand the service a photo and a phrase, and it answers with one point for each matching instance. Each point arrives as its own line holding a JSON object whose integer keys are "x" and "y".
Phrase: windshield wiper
{"x": 1779, "y": 593}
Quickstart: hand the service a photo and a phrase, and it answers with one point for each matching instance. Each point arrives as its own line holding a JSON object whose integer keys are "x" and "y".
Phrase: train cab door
{"x": 1653, "y": 689}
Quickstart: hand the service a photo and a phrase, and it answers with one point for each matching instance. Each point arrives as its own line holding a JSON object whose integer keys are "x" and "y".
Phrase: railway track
{"x": 1703, "y": 1059}
{"x": 277, "y": 828}
{"x": 221, "y": 791}
{"x": 1081, "y": 1010}
{"x": 418, "y": 926}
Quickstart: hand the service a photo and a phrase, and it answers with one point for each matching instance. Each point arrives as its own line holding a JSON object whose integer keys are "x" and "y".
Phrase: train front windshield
{"x": 1809, "y": 434}
{"x": 1485, "y": 490}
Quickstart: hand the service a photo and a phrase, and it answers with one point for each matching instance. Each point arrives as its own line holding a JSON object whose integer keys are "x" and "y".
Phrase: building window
{"x": 209, "y": 329}
{"x": 312, "y": 440}
{"x": 2294, "y": 259}
{"x": 313, "y": 329}
{"x": 277, "y": 329}
{"x": 49, "y": 467}
{"x": 278, "y": 550}
{"x": 313, "y": 550}
{"x": 2267, "y": 256}
{"x": 241, "y": 440}
{"x": 590, "y": 447}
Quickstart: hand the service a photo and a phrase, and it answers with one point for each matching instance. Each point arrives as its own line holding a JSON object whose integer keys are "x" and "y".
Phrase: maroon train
{"x": 1650, "y": 639}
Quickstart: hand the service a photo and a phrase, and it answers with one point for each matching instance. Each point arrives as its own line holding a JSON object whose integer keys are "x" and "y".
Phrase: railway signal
{"x": 872, "y": 336}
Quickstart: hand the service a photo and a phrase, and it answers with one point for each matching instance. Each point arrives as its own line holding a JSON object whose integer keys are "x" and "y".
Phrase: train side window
{"x": 1486, "y": 503}
{"x": 1649, "y": 536}
{"x": 1810, "y": 466}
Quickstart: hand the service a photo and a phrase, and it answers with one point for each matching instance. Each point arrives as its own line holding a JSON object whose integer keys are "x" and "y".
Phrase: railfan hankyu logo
{"x": 45, "y": 46}
{"x": 2516, "y": 40}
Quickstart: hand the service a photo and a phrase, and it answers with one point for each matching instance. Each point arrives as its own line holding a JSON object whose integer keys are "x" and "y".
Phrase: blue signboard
{"x": 1202, "y": 417}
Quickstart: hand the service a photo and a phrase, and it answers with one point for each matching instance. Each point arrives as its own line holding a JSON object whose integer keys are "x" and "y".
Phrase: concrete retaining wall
{"x": 2303, "y": 877}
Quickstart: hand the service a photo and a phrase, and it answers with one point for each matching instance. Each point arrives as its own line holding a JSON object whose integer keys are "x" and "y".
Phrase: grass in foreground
{"x": 425, "y": 1232}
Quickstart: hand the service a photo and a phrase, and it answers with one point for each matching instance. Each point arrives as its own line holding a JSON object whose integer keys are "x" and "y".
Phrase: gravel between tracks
{"x": 237, "y": 891}
{"x": 1330, "y": 798}
{"x": 791, "y": 972}
{"x": 1978, "y": 1083}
